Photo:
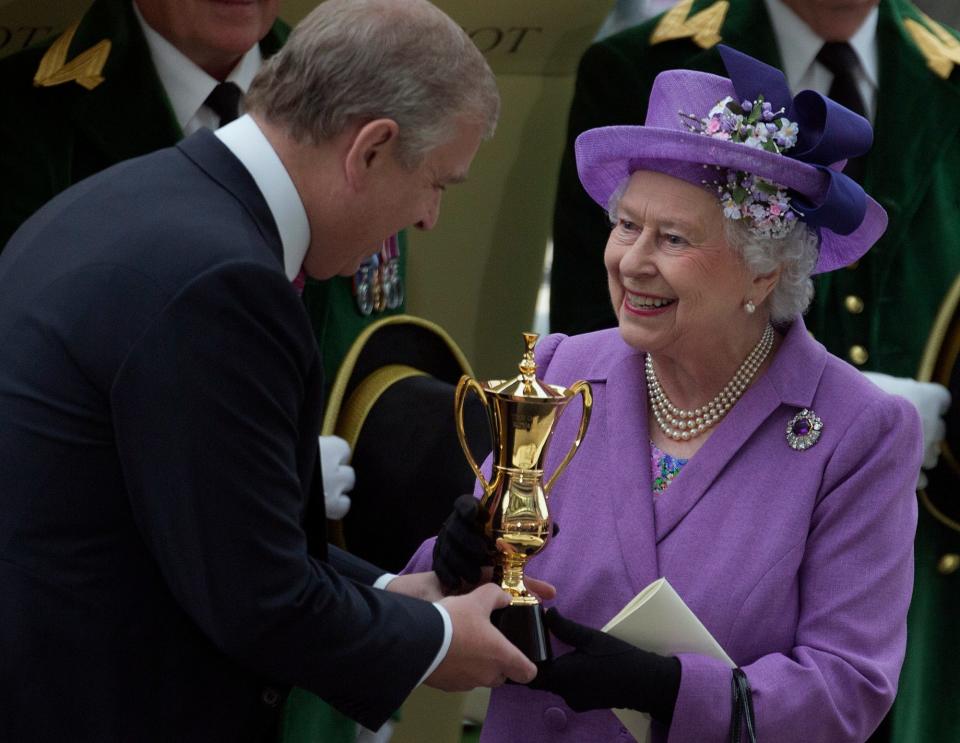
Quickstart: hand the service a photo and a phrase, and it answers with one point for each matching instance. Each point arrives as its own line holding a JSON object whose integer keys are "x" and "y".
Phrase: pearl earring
{"x": 750, "y": 307}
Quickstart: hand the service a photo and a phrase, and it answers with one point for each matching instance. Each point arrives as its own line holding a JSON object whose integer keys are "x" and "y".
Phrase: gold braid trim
{"x": 939, "y": 47}
{"x": 703, "y": 28}
{"x": 84, "y": 69}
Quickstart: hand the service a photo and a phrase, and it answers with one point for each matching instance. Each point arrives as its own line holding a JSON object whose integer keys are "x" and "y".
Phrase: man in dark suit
{"x": 160, "y": 392}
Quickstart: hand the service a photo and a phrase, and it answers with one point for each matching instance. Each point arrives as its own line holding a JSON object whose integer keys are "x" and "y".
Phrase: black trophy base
{"x": 523, "y": 626}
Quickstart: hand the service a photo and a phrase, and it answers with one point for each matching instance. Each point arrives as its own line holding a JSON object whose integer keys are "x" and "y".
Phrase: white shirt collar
{"x": 799, "y": 47}
{"x": 186, "y": 84}
{"x": 864, "y": 43}
{"x": 247, "y": 142}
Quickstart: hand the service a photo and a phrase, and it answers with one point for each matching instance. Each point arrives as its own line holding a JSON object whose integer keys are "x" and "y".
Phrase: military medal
{"x": 363, "y": 286}
{"x": 376, "y": 276}
{"x": 377, "y": 285}
{"x": 390, "y": 272}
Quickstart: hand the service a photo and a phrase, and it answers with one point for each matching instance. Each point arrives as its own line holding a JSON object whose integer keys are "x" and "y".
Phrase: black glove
{"x": 462, "y": 548}
{"x": 603, "y": 672}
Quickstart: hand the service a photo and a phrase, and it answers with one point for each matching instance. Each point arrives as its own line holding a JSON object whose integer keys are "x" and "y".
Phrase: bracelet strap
{"x": 742, "y": 708}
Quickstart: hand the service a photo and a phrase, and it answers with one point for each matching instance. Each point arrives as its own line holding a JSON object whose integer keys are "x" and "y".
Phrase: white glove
{"x": 931, "y": 400}
{"x": 338, "y": 476}
{"x": 383, "y": 735}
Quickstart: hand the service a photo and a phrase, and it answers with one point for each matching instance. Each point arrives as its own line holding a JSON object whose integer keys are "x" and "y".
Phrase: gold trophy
{"x": 522, "y": 413}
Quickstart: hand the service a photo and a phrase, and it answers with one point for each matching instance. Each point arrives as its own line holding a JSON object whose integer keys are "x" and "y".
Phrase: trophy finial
{"x": 528, "y": 366}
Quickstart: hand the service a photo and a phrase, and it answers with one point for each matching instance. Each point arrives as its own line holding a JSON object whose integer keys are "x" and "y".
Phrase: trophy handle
{"x": 578, "y": 388}
{"x": 466, "y": 384}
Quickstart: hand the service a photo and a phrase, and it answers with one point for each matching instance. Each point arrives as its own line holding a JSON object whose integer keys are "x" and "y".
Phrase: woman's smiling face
{"x": 675, "y": 283}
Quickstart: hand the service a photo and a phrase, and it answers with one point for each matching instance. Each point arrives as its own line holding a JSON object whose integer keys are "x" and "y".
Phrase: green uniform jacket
{"x": 885, "y": 304}
{"x": 53, "y": 137}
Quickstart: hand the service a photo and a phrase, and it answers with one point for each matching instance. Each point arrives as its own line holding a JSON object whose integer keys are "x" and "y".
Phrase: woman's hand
{"x": 462, "y": 549}
{"x": 463, "y": 555}
{"x": 603, "y": 672}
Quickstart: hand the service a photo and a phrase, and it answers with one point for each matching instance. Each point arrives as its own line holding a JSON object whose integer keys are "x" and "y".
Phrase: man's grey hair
{"x": 353, "y": 61}
{"x": 795, "y": 254}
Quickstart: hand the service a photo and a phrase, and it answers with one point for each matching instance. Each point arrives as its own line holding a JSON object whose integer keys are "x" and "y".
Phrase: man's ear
{"x": 371, "y": 145}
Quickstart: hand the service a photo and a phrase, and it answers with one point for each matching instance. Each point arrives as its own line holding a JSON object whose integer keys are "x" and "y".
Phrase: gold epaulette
{"x": 703, "y": 28}
{"x": 84, "y": 69}
{"x": 939, "y": 47}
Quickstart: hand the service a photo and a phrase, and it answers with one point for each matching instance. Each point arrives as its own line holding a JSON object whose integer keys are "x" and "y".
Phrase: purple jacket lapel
{"x": 626, "y": 429}
{"x": 791, "y": 380}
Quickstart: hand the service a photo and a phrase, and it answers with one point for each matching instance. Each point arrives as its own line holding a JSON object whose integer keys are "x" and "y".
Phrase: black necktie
{"x": 841, "y": 60}
{"x": 224, "y": 101}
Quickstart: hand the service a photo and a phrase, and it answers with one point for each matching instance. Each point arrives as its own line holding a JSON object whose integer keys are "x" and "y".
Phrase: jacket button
{"x": 853, "y": 266}
{"x": 270, "y": 697}
{"x": 949, "y": 563}
{"x": 853, "y": 303}
{"x": 555, "y": 718}
{"x": 858, "y": 355}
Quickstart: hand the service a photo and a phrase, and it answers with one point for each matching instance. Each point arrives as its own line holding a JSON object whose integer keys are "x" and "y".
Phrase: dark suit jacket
{"x": 160, "y": 394}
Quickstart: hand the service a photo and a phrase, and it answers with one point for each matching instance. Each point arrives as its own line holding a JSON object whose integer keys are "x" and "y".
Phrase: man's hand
{"x": 479, "y": 654}
{"x": 424, "y": 586}
{"x": 338, "y": 476}
{"x": 931, "y": 400}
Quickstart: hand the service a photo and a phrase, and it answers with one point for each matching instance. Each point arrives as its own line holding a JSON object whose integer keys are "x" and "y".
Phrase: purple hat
{"x": 679, "y": 138}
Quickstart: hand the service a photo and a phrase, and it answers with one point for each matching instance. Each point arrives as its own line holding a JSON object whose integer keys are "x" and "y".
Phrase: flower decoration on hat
{"x": 744, "y": 195}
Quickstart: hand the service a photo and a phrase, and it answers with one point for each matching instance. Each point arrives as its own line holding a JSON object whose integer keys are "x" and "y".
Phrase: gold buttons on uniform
{"x": 858, "y": 355}
{"x": 949, "y": 563}
{"x": 853, "y": 303}
{"x": 853, "y": 266}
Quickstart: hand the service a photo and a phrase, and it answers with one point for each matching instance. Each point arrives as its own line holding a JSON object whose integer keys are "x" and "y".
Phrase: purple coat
{"x": 800, "y": 563}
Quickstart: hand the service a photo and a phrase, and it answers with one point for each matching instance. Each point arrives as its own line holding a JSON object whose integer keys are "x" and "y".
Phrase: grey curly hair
{"x": 360, "y": 60}
{"x": 795, "y": 254}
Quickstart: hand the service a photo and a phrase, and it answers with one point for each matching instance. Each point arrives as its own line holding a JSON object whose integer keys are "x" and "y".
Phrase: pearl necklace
{"x": 686, "y": 424}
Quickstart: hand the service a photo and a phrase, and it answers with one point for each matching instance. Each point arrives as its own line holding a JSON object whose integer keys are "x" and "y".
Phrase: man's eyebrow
{"x": 454, "y": 178}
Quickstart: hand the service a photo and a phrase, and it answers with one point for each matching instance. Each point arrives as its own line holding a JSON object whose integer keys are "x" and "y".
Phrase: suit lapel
{"x": 128, "y": 114}
{"x": 748, "y": 29}
{"x": 791, "y": 380}
{"x": 216, "y": 160}
{"x": 628, "y": 462}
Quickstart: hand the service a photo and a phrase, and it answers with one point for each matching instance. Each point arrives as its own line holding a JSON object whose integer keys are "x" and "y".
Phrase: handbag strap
{"x": 742, "y": 708}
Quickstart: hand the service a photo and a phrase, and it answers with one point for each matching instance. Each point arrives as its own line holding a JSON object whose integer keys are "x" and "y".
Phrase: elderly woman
{"x": 767, "y": 480}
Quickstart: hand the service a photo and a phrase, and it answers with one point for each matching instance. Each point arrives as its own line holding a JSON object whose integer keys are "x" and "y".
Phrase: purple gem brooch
{"x": 803, "y": 430}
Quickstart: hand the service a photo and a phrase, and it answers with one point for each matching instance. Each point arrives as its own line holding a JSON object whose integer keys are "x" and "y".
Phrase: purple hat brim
{"x": 607, "y": 156}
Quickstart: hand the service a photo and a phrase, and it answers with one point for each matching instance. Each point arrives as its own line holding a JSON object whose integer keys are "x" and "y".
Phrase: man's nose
{"x": 429, "y": 220}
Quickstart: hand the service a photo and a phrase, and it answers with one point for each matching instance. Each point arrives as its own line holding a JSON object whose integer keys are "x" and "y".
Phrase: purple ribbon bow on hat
{"x": 829, "y": 135}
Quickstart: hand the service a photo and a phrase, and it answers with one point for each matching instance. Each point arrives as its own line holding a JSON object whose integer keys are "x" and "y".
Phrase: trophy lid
{"x": 526, "y": 384}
